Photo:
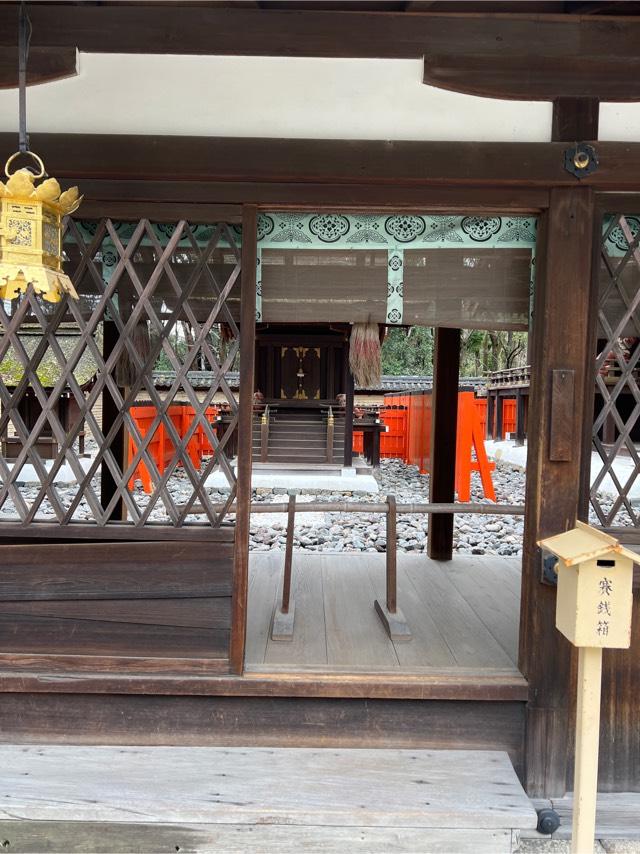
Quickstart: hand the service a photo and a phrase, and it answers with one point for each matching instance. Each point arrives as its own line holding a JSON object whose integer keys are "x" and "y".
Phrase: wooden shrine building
{"x": 284, "y": 171}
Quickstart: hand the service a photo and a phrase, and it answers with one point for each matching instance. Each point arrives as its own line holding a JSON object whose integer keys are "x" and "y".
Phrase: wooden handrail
{"x": 264, "y": 435}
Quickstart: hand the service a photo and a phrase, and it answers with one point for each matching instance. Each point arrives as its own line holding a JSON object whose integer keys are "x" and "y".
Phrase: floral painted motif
{"x": 443, "y": 229}
{"x": 404, "y": 227}
{"x": 367, "y": 229}
{"x": 329, "y": 227}
{"x": 394, "y": 316}
{"x": 481, "y": 228}
{"x": 290, "y": 228}
{"x": 518, "y": 230}
{"x": 616, "y": 235}
{"x": 265, "y": 226}
{"x": 395, "y": 262}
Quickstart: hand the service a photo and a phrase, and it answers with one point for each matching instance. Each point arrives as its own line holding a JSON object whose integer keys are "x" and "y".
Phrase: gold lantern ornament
{"x": 31, "y": 232}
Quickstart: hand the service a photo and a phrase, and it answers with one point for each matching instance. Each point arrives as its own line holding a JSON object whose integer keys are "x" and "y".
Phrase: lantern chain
{"x": 24, "y": 39}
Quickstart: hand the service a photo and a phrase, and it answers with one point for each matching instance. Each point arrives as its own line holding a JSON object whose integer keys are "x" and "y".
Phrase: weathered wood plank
{"x": 74, "y": 837}
{"x": 49, "y": 635}
{"x": 115, "y": 571}
{"x": 469, "y": 640}
{"x": 355, "y": 635}
{"x": 209, "y": 613}
{"x": 309, "y": 642}
{"x": 263, "y": 576}
{"x": 427, "y": 648}
{"x": 291, "y": 786}
{"x": 485, "y": 588}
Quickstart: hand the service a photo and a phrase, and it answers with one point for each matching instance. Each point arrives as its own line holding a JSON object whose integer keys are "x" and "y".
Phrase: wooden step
{"x": 238, "y": 799}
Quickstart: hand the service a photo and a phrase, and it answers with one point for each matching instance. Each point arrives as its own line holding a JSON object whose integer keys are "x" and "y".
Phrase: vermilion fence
{"x": 408, "y": 437}
{"x": 161, "y": 448}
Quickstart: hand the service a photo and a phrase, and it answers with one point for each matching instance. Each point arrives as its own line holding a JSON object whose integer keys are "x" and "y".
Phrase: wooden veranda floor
{"x": 462, "y": 614}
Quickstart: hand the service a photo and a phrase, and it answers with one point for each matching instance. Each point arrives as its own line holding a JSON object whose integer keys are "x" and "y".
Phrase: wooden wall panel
{"x": 117, "y": 600}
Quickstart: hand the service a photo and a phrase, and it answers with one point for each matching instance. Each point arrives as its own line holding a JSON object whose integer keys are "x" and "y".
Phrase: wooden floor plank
{"x": 427, "y": 647}
{"x": 263, "y": 575}
{"x": 456, "y": 618}
{"x": 309, "y": 642}
{"x": 496, "y": 605}
{"x": 355, "y": 634}
{"x": 402, "y": 788}
{"x": 469, "y": 640}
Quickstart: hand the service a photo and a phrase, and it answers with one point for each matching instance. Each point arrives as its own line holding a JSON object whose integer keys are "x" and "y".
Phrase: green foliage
{"x": 411, "y": 352}
{"x": 408, "y": 352}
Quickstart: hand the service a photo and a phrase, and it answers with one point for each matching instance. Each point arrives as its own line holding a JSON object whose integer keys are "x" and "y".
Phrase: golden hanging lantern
{"x": 31, "y": 232}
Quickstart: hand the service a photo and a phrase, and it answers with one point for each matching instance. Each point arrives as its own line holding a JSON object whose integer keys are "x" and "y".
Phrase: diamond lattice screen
{"x": 150, "y": 296}
{"x": 615, "y": 487}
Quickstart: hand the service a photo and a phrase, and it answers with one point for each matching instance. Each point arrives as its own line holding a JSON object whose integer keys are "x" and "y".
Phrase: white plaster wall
{"x": 282, "y": 97}
{"x": 272, "y": 97}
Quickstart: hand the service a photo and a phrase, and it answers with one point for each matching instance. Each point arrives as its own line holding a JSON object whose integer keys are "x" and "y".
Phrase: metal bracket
{"x": 581, "y": 160}
{"x": 549, "y": 569}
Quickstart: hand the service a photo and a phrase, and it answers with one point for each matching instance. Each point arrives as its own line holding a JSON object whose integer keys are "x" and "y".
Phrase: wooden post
{"x": 490, "y": 415}
{"x": 563, "y": 291}
{"x": 499, "y": 417}
{"x": 283, "y": 617}
{"x": 348, "y": 416}
{"x": 585, "y": 784}
{"x": 392, "y": 546}
{"x": 110, "y": 409}
{"x": 264, "y": 435}
{"x": 444, "y": 427}
{"x": 391, "y": 616}
{"x": 330, "y": 429}
{"x": 520, "y": 433}
{"x": 245, "y": 437}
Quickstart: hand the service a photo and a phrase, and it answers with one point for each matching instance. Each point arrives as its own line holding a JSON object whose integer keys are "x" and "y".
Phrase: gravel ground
{"x": 344, "y": 532}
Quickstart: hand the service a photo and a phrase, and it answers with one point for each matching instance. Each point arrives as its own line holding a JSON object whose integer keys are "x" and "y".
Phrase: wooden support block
{"x": 282, "y": 629}
{"x": 394, "y": 622}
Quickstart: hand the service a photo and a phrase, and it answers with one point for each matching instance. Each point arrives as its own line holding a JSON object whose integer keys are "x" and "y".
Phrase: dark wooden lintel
{"x": 536, "y": 77}
{"x": 392, "y": 165}
{"x": 178, "y": 28}
{"x": 45, "y": 64}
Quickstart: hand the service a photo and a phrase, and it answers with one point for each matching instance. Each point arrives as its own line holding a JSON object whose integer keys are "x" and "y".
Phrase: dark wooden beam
{"x": 342, "y": 162}
{"x": 45, "y": 64}
{"x": 177, "y": 28}
{"x": 245, "y": 440}
{"x": 536, "y": 77}
{"x": 348, "y": 413}
{"x": 110, "y": 411}
{"x": 444, "y": 422}
{"x": 563, "y": 292}
{"x": 575, "y": 119}
{"x": 195, "y": 200}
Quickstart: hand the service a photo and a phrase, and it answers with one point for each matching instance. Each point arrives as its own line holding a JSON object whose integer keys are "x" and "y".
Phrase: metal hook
{"x": 24, "y": 40}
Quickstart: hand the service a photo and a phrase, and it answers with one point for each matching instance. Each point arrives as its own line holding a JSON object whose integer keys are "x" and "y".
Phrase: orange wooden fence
{"x": 161, "y": 448}
{"x": 408, "y": 437}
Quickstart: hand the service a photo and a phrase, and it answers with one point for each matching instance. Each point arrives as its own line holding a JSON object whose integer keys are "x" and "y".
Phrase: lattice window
{"x": 149, "y": 294}
{"x": 615, "y": 487}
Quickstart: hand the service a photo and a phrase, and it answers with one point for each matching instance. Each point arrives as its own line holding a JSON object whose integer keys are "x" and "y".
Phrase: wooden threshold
{"x": 31, "y": 674}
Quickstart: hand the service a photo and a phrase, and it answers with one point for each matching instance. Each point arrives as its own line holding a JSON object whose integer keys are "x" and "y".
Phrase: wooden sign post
{"x": 593, "y": 611}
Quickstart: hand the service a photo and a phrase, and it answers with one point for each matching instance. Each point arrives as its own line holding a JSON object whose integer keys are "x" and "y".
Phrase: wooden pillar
{"x": 444, "y": 422}
{"x": 110, "y": 410}
{"x": 490, "y": 414}
{"x": 348, "y": 416}
{"x": 245, "y": 438}
{"x": 520, "y": 431}
{"x": 499, "y": 418}
{"x": 561, "y": 380}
